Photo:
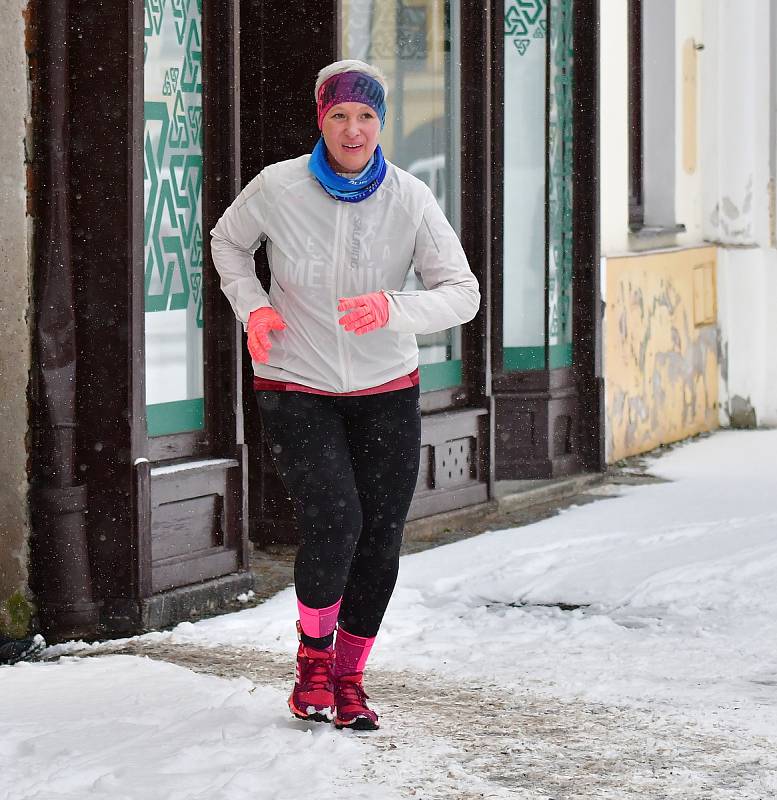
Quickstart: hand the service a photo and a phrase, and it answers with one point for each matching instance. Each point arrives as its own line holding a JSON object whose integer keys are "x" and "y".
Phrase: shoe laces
{"x": 351, "y": 691}
{"x": 315, "y": 672}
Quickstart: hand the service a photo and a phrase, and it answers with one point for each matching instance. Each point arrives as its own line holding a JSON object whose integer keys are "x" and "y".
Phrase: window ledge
{"x": 649, "y": 232}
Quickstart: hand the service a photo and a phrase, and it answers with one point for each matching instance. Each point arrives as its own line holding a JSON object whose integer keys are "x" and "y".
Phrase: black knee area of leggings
{"x": 350, "y": 465}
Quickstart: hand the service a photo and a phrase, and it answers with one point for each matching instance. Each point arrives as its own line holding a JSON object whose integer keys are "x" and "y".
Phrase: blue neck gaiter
{"x": 350, "y": 190}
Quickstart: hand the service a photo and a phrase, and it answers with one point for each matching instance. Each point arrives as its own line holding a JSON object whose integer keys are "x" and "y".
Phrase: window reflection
{"x": 416, "y": 43}
{"x": 523, "y": 294}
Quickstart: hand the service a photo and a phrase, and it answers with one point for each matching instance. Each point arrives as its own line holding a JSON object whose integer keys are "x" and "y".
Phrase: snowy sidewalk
{"x": 624, "y": 649}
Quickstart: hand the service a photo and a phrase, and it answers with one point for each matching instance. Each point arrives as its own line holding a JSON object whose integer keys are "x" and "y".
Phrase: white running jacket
{"x": 321, "y": 249}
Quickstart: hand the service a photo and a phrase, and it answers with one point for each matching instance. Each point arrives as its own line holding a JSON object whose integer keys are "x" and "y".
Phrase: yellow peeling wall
{"x": 660, "y": 343}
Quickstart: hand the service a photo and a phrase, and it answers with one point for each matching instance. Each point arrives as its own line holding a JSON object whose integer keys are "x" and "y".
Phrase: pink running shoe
{"x": 351, "y": 704}
{"x": 312, "y": 697}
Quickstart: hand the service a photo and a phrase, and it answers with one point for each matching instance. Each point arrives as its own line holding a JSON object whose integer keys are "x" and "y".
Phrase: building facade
{"x": 571, "y": 143}
{"x": 687, "y": 215}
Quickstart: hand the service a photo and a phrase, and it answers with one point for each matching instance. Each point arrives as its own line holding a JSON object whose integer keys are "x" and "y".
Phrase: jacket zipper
{"x": 344, "y": 270}
{"x": 337, "y": 266}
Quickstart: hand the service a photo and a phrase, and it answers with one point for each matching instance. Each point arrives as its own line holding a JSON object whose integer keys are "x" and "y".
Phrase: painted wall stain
{"x": 734, "y": 219}
{"x": 741, "y": 413}
{"x": 661, "y": 369}
{"x": 723, "y": 356}
{"x": 729, "y": 209}
{"x": 16, "y": 613}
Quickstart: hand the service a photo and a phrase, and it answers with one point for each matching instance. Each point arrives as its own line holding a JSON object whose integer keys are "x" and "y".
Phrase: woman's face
{"x": 351, "y": 132}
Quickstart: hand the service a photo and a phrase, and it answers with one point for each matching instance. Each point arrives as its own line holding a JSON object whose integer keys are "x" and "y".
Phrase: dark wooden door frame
{"x": 587, "y": 305}
{"x": 61, "y": 572}
{"x": 114, "y": 451}
{"x": 481, "y": 216}
{"x": 528, "y": 404}
{"x": 221, "y": 153}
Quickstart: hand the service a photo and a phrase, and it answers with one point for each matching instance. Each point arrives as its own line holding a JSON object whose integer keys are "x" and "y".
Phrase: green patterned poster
{"x": 561, "y": 166}
{"x": 525, "y": 22}
{"x": 172, "y": 148}
{"x": 532, "y": 265}
{"x": 523, "y": 291}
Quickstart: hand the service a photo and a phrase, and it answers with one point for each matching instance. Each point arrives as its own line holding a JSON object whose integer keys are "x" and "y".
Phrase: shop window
{"x": 416, "y": 43}
{"x": 538, "y": 138}
{"x": 172, "y": 146}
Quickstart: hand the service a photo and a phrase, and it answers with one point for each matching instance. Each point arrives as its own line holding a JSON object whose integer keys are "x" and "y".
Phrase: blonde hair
{"x": 351, "y": 65}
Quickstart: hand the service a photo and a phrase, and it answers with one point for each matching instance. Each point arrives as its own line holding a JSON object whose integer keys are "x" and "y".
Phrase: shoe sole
{"x": 358, "y": 724}
{"x": 318, "y": 716}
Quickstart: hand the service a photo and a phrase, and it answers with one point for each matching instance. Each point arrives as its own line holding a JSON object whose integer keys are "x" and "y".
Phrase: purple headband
{"x": 351, "y": 87}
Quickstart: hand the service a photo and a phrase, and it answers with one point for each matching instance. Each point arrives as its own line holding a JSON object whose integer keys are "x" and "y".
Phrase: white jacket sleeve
{"x": 234, "y": 240}
{"x": 452, "y": 296}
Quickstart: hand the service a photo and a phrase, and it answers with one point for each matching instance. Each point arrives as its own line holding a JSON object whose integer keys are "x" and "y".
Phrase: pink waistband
{"x": 403, "y": 382}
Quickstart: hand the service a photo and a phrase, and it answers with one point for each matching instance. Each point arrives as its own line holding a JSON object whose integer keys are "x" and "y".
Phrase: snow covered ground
{"x": 639, "y": 629}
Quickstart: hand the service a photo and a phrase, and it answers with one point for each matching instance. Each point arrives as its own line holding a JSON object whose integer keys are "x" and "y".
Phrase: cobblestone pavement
{"x": 462, "y": 740}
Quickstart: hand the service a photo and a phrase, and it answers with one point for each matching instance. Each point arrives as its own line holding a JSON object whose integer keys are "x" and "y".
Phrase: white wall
{"x": 738, "y": 133}
{"x": 729, "y": 198}
{"x": 689, "y": 208}
{"x": 735, "y": 122}
{"x": 747, "y": 315}
{"x": 614, "y": 126}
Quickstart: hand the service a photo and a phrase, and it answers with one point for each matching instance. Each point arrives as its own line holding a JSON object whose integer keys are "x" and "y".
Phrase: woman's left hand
{"x": 366, "y": 312}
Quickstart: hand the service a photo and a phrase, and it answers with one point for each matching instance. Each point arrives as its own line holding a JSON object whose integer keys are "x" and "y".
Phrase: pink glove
{"x": 260, "y": 322}
{"x": 365, "y": 312}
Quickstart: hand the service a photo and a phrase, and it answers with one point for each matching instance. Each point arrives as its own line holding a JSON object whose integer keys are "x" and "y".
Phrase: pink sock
{"x": 318, "y": 622}
{"x": 351, "y": 652}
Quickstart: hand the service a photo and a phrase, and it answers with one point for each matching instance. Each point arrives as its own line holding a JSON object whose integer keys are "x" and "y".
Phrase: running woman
{"x": 336, "y": 366}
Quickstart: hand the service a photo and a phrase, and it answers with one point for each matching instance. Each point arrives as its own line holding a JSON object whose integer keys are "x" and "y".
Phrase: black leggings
{"x": 350, "y": 465}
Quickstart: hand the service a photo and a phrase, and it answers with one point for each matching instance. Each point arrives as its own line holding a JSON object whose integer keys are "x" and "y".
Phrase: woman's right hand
{"x": 260, "y": 322}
